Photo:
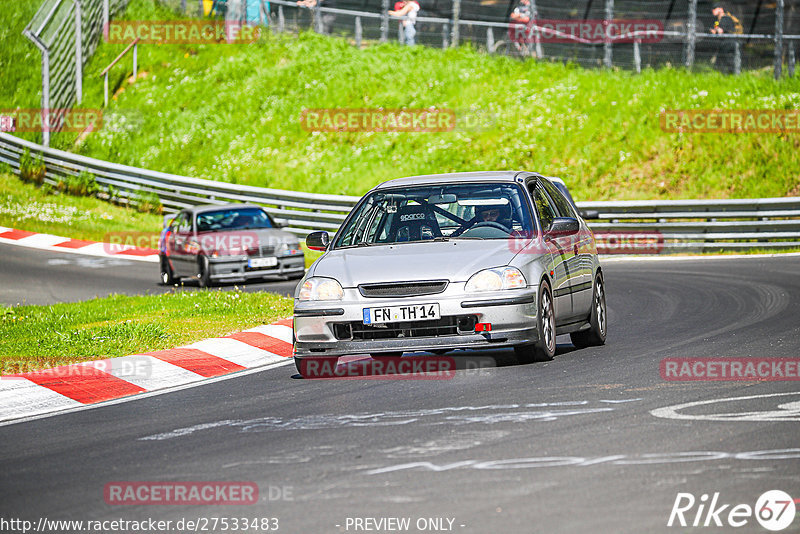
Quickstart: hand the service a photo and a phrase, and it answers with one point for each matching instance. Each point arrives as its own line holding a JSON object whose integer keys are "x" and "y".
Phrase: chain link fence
{"x": 768, "y": 31}
{"x": 66, "y": 32}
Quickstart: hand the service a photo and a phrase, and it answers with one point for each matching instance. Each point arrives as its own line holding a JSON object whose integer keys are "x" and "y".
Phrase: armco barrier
{"x": 682, "y": 225}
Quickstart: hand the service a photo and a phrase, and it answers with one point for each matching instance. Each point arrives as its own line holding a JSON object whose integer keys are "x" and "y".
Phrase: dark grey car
{"x": 227, "y": 242}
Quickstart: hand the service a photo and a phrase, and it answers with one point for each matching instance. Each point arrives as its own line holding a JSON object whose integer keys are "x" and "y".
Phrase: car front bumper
{"x": 321, "y": 328}
{"x": 224, "y": 268}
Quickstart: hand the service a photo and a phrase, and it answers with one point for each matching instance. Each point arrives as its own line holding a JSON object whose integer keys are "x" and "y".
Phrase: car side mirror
{"x": 281, "y": 223}
{"x": 590, "y": 214}
{"x": 318, "y": 240}
{"x": 563, "y": 226}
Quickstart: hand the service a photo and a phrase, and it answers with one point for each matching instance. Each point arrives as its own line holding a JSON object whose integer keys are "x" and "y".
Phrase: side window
{"x": 181, "y": 224}
{"x": 562, "y": 204}
{"x": 544, "y": 208}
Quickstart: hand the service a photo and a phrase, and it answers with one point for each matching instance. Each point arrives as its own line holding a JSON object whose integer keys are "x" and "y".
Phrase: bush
{"x": 148, "y": 202}
{"x": 31, "y": 168}
{"x": 83, "y": 185}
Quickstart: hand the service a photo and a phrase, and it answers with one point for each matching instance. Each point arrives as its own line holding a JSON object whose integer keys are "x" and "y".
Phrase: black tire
{"x": 598, "y": 319}
{"x": 168, "y": 278}
{"x": 545, "y": 348}
{"x": 316, "y": 366}
{"x": 203, "y": 271}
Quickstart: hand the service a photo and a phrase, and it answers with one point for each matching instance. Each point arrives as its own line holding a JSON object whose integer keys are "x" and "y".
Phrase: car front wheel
{"x": 167, "y": 276}
{"x": 204, "y": 271}
{"x": 545, "y": 348}
{"x": 596, "y": 334}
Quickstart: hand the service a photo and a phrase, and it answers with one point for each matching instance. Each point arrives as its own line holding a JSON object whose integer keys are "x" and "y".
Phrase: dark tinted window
{"x": 233, "y": 219}
{"x": 562, "y": 204}
{"x": 544, "y": 207}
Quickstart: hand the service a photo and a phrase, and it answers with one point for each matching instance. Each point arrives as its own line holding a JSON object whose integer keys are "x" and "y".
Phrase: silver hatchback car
{"x": 452, "y": 261}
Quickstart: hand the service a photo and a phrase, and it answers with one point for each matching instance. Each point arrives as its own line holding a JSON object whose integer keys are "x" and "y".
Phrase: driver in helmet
{"x": 496, "y": 213}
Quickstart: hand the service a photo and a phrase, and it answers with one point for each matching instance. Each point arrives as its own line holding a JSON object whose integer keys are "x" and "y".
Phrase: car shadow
{"x": 424, "y": 365}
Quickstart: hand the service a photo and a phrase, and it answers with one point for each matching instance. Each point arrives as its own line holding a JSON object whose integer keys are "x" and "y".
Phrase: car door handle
{"x": 575, "y": 248}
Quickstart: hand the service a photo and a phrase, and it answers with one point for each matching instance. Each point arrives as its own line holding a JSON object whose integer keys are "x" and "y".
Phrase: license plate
{"x": 394, "y": 314}
{"x": 255, "y": 263}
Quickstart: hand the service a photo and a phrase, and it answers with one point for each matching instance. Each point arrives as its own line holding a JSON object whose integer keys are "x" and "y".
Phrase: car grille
{"x": 260, "y": 251}
{"x": 402, "y": 289}
{"x": 446, "y": 326}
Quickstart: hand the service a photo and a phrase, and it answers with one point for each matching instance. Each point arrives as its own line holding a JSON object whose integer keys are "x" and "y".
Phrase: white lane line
{"x": 146, "y": 371}
{"x": 203, "y": 382}
{"x": 656, "y": 257}
{"x": 21, "y": 397}
{"x": 284, "y": 333}
{"x": 236, "y": 351}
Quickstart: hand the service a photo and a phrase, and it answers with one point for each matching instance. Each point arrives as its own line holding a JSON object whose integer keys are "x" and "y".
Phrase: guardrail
{"x": 674, "y": 225}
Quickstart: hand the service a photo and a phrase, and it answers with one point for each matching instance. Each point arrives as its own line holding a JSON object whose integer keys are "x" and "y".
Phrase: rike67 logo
{"x": 774, "y": 510}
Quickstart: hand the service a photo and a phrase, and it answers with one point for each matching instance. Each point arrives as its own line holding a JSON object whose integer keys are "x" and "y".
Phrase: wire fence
{"x": 592, "y": 33}
{"x": 66, "y": 32}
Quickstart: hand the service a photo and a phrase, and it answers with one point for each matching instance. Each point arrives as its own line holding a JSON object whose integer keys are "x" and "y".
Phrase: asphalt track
{"x": 569, "y": 445}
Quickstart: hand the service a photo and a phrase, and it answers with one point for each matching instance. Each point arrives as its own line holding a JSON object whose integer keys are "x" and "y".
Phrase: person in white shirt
{"x": 407, "y": 8}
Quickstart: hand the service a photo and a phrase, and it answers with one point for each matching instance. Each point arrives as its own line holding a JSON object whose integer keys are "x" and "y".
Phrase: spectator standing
{"x": 726, "y": 24}
{"x": 522, "y": 12}
{"x": 408, "y": 9}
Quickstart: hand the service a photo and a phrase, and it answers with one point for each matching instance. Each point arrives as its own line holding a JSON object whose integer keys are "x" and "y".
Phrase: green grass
{"x": 40, "y": 209}
{"x": 37, "y": 337}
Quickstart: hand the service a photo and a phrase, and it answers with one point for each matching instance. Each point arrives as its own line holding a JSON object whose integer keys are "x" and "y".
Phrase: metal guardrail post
{"x": 385, "y": 21}
{"x": 183, "y": 6}
{"x": 691, "y": 34}
{"x": 791, "y": 61}
{"x": 317, "y": 19}
{"x": 537, "y": 40}
{"x": 200, "y": 10}
{"x": 637, "y": 56}
{"x": 78, "y": 52}
{"x": 359, "y": 31}
{"x": 489, "y": 40}
{"x": 106, "y": 16}
{"x": 737, "y": 57}
{"x": 607, "y": 46}
{"x": 445, "y": 34}
{"x": 456, "y": 16}
{"x": 281, "y": 20}
{"x": 778, "y": 38}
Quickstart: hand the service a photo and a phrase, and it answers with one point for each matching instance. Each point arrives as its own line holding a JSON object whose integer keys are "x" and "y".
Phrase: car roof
{"x": 481, "y": 176}
{"x": 216, "y": 207}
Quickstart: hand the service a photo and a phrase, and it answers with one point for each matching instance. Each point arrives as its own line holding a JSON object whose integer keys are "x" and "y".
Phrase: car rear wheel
{"x": 544, "y": 349}
{"x": 596, "y": 334}
{"x": 316, "y": 366}
{"x": 167, "y": 276}
{"x": 204, "y": 271}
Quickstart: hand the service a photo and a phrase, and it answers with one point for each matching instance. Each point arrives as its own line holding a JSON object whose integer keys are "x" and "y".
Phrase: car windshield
{"x": 458, "y": 211}
{"x": 233, "y": 219}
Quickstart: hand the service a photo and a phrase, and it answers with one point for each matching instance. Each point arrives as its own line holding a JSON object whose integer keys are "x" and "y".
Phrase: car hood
{"x": 454, "y": 260}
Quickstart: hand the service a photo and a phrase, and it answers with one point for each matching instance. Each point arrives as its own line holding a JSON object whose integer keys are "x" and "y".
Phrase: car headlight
{"x": 496, "y": 279}
{"x": 316, "y": 288}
